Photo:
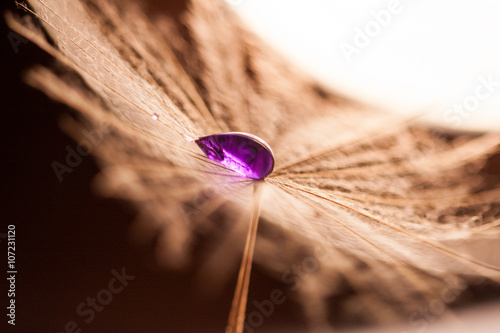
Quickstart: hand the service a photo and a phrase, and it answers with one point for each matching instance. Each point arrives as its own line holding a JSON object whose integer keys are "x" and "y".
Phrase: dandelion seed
{"x": 384, "y": 200}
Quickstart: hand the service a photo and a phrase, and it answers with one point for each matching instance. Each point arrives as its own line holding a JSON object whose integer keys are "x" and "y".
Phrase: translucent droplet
{"x": 155, "y": 116}
{"x": 244, "y": 153}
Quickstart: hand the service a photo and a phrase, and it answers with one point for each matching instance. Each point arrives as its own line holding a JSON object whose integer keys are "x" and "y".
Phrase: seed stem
{"x": 236, "y": 318}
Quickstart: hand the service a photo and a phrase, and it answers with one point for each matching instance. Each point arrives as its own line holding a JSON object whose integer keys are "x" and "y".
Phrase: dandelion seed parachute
{"x": 381, "y": 205}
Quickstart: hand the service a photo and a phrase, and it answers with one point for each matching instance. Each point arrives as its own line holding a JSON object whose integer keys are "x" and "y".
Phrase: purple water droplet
{"x": 243, "y": 153}
{"x": 155, "y": 116}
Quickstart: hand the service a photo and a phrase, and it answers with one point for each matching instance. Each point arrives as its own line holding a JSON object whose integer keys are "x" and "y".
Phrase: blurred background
{"x": 69, "y": 239}
{"x": 407, "y": 56}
